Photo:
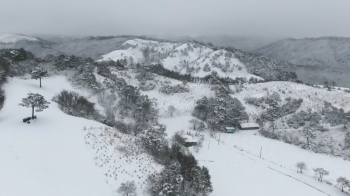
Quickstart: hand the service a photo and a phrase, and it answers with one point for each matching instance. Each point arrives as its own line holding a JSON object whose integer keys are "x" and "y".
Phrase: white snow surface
{"x": 13, "y": 38}
{"x": 236, "y": 169}
{"x": 48, "y": 156}
{"x": 58, "y": 154}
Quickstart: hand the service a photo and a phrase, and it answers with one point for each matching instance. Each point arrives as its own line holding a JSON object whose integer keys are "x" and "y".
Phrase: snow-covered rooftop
{"x": 249, "y": 125}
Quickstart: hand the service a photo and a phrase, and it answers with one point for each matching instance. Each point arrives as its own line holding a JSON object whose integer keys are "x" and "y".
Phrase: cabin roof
{"x": 189, "y": 138}
{"x": 229, "y": 127}
{"x": 248, "y": 125}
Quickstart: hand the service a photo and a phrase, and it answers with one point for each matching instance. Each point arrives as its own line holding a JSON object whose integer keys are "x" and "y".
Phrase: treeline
{"x": 212, "y": 78}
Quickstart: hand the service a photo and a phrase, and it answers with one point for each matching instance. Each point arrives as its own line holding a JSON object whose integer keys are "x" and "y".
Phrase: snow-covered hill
{"x": 58, "y": 154}
{"x": 13, "y": 38}
{"x": 324, "y": 51}
{"x": 185, "y": 58}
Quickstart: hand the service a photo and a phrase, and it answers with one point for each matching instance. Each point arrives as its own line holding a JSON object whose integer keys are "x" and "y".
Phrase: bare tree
{"x": 171, "y": 109}
{"x": 300, "y": 166}
{"x": 320, "y": 172}
{"x": 127, "y": 189}
{"x": 343, "y": 183}
{"x": 194, "y": 122}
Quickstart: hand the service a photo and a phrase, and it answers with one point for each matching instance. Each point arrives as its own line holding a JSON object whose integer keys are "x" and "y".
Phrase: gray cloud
{"x": 287, "y": 18}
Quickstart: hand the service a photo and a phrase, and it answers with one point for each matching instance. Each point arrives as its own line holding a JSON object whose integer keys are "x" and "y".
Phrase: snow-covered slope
{"x": 13, "y": 38}
{"x": 236, "y": 169}
{"x": 58, "y": 154}
{"x": 185, "y": 58}
{"x": 324, "y": 51}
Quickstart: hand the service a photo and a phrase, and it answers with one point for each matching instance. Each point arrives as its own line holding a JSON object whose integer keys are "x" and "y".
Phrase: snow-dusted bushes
{"x": 347, "y": 140}
{"x": 147, "y": 85}
{"x": 143, "y": 75}
{"x": 168, "y": 89}
{"x": 333, "y": 115}
{"x": 74, "y": 104}
{"x": 301, "y": 118}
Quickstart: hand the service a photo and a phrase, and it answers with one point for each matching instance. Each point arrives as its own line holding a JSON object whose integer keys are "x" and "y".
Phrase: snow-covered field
{"x": 236, "y": 169}
{"x": 13, "y": 38}
{"x": 54, "y": 155}
{"x": 60, "y": 154}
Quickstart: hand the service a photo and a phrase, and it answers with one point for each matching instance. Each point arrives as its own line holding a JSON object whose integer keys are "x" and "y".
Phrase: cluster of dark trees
{"x": 9, "y": 66}
{"x": 74, "y": 104}
{"x": 160, "y": 70}
{"x": 181, "y": 174}
{"x": 275, "y": 111}
{"x": 63, "y": 62}
{"x": 10, "y": 61}
{"x": 335, "y": 116}
{"x": 212, "y": 78}
{"x": 220, "y": 111}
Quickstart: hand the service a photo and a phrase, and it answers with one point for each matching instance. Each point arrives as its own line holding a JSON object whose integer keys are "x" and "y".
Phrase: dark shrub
{"x": 74, "y": 104}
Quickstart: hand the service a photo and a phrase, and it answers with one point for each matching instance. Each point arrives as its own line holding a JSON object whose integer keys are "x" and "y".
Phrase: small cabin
{"x": 230, "y": 129}
{"x": 249, "y": 126}
{"x": 189, "y": 141}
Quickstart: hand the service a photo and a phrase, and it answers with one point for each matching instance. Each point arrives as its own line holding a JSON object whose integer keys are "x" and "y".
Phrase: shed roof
{"x": 248, "y": 125}
{"x": 189, "y": 138}
{"x": 229, "y": 127}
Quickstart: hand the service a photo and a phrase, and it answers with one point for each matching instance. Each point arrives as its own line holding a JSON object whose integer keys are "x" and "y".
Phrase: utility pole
{"x": 260, "y": 151}
{"x": 209, "y": 144}
{"x": 219, "y": 140}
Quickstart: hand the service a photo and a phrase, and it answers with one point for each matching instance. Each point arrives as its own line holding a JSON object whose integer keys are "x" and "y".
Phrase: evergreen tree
{"x": 39, "y": 73}
{"x": 168, "y": 182}
{"x": 154, "y": 139}
{"x": 201, "y": 181}
{"x": 343, "y": 183}
{"x": 35, "y": 101}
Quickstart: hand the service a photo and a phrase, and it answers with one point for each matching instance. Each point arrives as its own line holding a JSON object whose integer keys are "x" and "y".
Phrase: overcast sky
{"x": 282, "y": 18}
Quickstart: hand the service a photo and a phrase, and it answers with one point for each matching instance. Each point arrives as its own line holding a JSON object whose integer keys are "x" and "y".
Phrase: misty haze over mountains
{"x": 315, "y": 60}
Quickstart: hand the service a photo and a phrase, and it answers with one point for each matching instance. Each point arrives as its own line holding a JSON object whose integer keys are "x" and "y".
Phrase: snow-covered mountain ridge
{"x": 324, "y": 51}
{"x": 13, "y": 38}
{"x": 186, "y": 58}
